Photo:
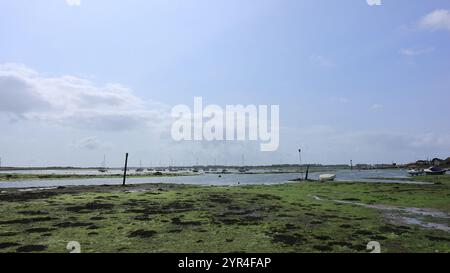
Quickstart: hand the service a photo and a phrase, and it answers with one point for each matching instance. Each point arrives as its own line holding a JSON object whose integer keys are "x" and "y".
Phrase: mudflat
{"x": 292, "y": 217}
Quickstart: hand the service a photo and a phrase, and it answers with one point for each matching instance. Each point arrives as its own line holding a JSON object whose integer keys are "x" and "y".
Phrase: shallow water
{"x": 214, "y": 179}
{"x": 415, "y": 221}
{"x": 396, "y": 214}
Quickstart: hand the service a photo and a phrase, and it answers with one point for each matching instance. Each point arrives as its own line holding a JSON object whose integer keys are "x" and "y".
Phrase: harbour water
{"x": 368, "y": 176}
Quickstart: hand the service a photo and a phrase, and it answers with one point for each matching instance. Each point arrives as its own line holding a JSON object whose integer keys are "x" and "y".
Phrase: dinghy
{"x": 327, "y": 177}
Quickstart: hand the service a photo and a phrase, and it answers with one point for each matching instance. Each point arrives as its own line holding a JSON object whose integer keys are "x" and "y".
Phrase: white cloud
{"x": 399, "y": 141}
{"x": 322, "y": 61}
{"x": 327, "y": 144}
{"x": 376, "y": 106}
{"x": 436, "y": 20}
{"x": 373, "y": 2}
{"x": 340, "y": 99}
{"x": 73, "y": 2}
{"x": 89, "y": 143}
{"x": 76, "y": 102}
{"x": 410, "y": 52}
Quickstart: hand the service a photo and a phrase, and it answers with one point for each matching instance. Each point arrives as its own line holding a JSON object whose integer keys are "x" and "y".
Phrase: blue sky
{"x": 353, "y": 81}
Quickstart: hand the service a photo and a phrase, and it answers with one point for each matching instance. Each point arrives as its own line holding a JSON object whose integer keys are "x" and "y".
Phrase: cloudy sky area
{"x": 83, "y": 79}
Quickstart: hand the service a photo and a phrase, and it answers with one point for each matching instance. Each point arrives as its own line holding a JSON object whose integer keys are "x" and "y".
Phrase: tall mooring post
{"x": 300, "y": 162}
{"x": 125, "y": 170}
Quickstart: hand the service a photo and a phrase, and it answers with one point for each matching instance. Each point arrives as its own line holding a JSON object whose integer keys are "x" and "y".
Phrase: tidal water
{"x": 367, "y": 176}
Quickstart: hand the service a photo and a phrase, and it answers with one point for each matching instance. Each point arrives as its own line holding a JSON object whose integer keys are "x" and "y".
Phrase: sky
{"x": 82, "y": 79}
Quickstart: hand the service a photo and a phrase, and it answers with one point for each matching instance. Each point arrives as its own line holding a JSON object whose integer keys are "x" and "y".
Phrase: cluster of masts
{"x": 196, "y": 168}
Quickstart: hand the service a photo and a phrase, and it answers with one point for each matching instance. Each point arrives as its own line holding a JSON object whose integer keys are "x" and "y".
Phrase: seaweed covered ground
{"x": 294, "y": 217}
{"x": 10, "y": 177}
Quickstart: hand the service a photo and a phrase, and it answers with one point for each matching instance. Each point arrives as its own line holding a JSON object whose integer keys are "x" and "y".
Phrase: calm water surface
{"x": 211, "y": 179}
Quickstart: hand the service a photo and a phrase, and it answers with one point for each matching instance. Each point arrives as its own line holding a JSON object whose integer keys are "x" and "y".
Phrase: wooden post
{"x": 307, "y": 171}
{"x": 125, "y": 170}
{"x": 300, "y": 164}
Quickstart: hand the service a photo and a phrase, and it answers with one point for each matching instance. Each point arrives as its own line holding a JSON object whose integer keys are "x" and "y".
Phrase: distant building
{"x": 363, "y": 166}
{"x": 422, "y": 162}
{"x": 447, "y": 162}
{"x": 385, "y": 166}
{"x": 437, "y": 161}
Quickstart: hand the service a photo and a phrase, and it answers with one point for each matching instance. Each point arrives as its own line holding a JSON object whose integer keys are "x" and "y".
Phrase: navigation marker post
{"x": 125, "y": 170}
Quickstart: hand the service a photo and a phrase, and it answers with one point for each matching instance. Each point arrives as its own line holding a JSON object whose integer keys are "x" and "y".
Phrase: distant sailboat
{"x": 140, "y": 169}
{"x": 214, "y": 168}
{"x": 243, "y": 169}
{"x": 103, "y": 169}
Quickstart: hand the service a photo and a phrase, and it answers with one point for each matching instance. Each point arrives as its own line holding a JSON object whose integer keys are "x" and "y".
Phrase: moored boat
{"x": 435, "y": 171}
{"x": 140, "y": 169}
{"x": 414, "y": 172}
{"x": 327, "y": 177}
{"x": 103, "y": 169}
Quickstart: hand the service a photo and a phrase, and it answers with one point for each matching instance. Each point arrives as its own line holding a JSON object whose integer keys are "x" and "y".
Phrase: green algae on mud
{"x": 9, "y": 177}
{"x": 258, "y": 218}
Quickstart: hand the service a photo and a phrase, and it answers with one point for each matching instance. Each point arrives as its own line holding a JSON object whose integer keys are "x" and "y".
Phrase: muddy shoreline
{"x": 255, "y": 218}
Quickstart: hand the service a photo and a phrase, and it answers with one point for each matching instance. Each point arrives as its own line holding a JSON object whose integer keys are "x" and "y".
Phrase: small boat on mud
{"x": 415, "y": 172}
{"x": 327, "y": 177}
{"x": 435, "y": 171}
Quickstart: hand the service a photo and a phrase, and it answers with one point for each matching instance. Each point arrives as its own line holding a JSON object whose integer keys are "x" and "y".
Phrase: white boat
{"x": 414, "y": 172}
{"x": 327, "y": 177}
{"x": 435, "y": 171}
